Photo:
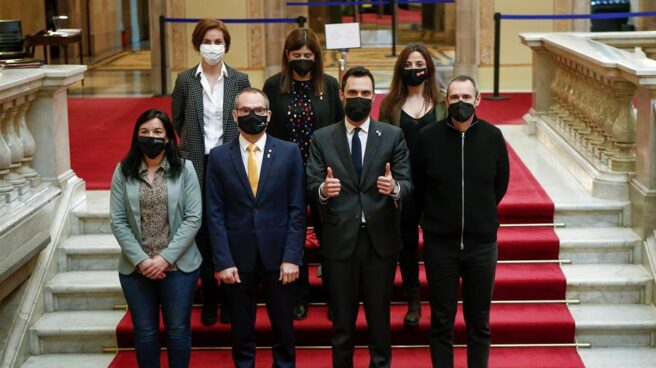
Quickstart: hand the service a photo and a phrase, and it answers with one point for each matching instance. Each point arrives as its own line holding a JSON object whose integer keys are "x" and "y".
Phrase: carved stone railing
{"x": 34, "y": 162}
{"x": 594, "y": 105}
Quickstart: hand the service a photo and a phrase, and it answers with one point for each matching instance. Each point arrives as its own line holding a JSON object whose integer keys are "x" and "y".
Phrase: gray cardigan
{"x": 185, "y": 211}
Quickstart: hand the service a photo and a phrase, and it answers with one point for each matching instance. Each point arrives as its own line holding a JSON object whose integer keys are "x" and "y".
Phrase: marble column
{"x": 15, "y": 147}
{"x": 643, "y": 186}
{"x": 467, "y": 27}
{"x": 27, "y": 140}
{"x": 47, "y": 120}
{"x": 7, "y": 191}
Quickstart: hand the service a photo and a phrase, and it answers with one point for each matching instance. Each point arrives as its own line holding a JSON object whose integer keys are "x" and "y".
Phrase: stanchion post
{"x": 301, "y": 20}
{"x": 393, "y": 2}
{"x": 342, "y": 62}
{"x": 162, "y": 52}
{"x": 497, "y": 58}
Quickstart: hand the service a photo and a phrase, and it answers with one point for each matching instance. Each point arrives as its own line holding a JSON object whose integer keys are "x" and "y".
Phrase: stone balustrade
{"x": 34, "y": 161}
{"x": 594, "y": 105}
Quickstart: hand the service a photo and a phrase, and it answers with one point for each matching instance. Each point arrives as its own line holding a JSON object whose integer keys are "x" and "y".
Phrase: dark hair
{"x": 205, "y": 25}
{"x": 462, "y": 78}
{"x": 130, "y": 164}
{"x": 358, "y": 72}
{"x": 393, "y": 102}
{"x": 296, "y": 40}
{"x": 254, "y": 91}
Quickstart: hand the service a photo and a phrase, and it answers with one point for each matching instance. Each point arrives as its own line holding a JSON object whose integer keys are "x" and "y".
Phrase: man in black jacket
{"x": 461, "y": 173}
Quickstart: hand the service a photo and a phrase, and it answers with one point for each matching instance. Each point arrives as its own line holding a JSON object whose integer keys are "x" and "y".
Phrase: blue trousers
{"x": 175, "y": 295}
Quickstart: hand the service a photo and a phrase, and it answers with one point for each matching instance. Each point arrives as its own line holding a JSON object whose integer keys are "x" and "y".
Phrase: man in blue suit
{"x": 256, "y": 218}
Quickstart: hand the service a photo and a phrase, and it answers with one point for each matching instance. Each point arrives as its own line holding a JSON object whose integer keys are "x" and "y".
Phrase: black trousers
{"x": 445, "y": 265}
{"x": 375, "y": 275}
{"x": 409, "y": 257}
{"x": 210, "y": 290}
{"x": 243, "y": 308}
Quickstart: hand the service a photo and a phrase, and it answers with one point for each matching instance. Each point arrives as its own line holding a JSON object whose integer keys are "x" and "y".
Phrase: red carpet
{"x": 100, "y": 133}
{"x": 402, "y": 358}
{"x": 100, "y": 128}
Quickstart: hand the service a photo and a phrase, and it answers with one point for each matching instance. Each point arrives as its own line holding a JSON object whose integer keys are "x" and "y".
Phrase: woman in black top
{"x": 302, "y": 99}
{"x": 413, "y": 102}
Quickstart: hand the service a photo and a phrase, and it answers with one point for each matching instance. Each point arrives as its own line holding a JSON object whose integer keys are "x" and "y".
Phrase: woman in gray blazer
{"x": 155, "y": 211}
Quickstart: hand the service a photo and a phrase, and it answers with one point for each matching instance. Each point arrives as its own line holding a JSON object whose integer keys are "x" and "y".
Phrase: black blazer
{"x": 341, "y": 215}
{"x": 187, "y": 108}
{"x": 327, "y": 107}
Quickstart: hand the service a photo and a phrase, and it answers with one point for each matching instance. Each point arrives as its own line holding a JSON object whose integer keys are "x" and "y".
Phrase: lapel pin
{"x": 268, "y": 155}
{"x": 379, "y": 133}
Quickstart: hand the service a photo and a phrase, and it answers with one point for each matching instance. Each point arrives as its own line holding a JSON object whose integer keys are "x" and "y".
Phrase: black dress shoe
{"x": 300, "y": 312}
{"x": 225, "y": 315}
{"x": 208, "y": 314}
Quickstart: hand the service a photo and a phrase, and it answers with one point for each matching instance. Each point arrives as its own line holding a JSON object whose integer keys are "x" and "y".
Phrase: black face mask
{"x": 357, "y": 108}
{"x": 252, "y": 123}
{"x": 414, "y": 77}
{"x": 151, "y": 146}
{"x": 302, "y": 66}
{"x": 461, "y": 111}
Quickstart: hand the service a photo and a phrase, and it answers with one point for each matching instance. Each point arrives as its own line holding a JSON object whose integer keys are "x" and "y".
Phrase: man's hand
{"x": 331, "y": 186}
{"x": 150, "y": 269}
{"x": 386, "y": 183}
{"x": 230, "y": 275}
{"x": 288, "y": 273}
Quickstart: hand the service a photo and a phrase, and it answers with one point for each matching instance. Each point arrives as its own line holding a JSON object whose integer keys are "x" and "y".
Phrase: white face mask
{"x": 212, "y": 54}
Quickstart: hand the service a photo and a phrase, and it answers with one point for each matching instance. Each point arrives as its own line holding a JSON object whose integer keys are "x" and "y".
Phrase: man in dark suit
{"x": 202, "y": 103}
{"x": 359, "y": 171}
{"x": 256, "y": 217}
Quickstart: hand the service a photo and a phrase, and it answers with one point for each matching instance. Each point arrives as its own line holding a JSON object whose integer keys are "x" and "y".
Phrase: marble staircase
{"x": 615, "y": 313}
{"x": 614, "y": 290}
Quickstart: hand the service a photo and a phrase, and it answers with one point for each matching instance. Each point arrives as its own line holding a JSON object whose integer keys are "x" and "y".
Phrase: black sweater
{"x": 443, "y": 191}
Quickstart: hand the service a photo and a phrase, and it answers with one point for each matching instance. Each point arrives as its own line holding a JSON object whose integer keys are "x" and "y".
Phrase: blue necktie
{"x": 356, "y": 152}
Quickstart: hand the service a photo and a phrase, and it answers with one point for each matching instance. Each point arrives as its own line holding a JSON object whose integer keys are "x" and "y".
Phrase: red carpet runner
{"x": 100, "y": 131}
{"x": 100, "y": 128}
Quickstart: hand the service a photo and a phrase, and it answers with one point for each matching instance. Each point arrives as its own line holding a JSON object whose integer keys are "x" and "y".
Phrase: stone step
{"x": 599, "y": 245}
{"x": 580, "y": 245}
{"x": 615, "y": 325}
{"x": 608, "y": 284}
{"x": 89, "y": 252}
{"x": 83, "y": 290}
{"x": 74, "y": 332}
{"x": 591, "y": 284}
{"x": 92, "y": 215}
{"x": 607, "y": 213}
{"x": 618, "y": 357}
{"x": 68, "y": 361}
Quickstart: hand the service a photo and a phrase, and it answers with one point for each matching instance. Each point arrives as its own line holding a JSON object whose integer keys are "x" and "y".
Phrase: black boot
{"x": 413, "y": 315}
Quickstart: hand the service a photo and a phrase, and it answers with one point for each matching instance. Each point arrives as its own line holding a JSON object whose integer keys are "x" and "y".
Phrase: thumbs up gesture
{"x": 331, "y": 186}
{"x": 386, "y": 183}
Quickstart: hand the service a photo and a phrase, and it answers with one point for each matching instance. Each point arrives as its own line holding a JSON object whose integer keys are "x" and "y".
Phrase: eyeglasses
{"x": 243, "y": 111}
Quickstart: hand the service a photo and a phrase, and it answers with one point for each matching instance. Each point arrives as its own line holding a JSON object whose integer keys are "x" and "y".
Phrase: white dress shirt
{"x": 212, "y": 108}
{"x": 259, "y": 152}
